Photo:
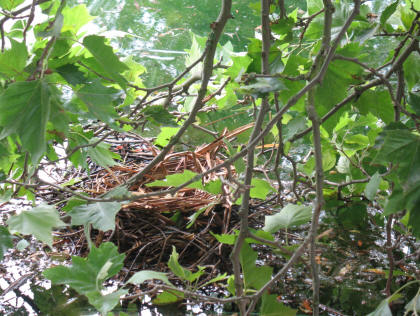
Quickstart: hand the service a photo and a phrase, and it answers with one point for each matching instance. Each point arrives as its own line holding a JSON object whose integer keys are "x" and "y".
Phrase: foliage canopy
{"x": 320, "y": 114}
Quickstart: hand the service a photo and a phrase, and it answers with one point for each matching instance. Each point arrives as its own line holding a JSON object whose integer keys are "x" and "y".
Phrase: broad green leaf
{"x": 101, "y": 154}
{"x": 177, "y": 179}
{"x": 75, "y": 18}
{"x": 239, "y": 66}
{"x": 25, "y": 110}
{"x": 228, "y": 239}
{"x": 259, "y": 233}
{"x": 389, "y": 10}
{"x": 414, "y": 101}
{"x": 378, "y": 103}
{"x": 142, "y": 276}
{"x": 343, "y": 165}
{"x": 382, "y": 309}
{"x": 83, "y": 274}
{"x": 165, "y": 135}
{"x": 117, "y": 192}
{"x": 38, "y": 221}
{"x": 254, "y": 276}
{"x": 401, "y": 147}
{"x": 263, "y": 86}
{"x": 105, "y": 58}
{"x": 342, "y": 122}
{"x": 294, "y": 126}
{"x": 219, "y": 277}
{"x": 100, "y": 214}
{"x": 22, "y": 244}
{"x": 413, "y": 305}
{"x": 271, "y": 306}
{"x": 260, "y": 189}
{"x": 134, "y": 71}
{"x": 372, "y": 186}
{"x": 180, "y": 271}
{"x": 5, "y": 241}
{"x": 168, "y": 297}
{"x": 395, "y": 202}
{"x": 158, "y": 115}
{"x": 291, "y": 215}
{"x": 72, "y": 74}
{"x": 13, "y": 60}
{"x": 413, "y": 220}
{"x": 412, "y": 71}
{"x": 10, "y": 4}
{"x": 105, "y": 303}
{"x": 213, "y": 187}
{"x": 353, "y": 216}
{"x": 328, "y": 158}
{"x": 359, "y": 139}
{"x": 98, "y": 99}
{"x": 314, "y": 6}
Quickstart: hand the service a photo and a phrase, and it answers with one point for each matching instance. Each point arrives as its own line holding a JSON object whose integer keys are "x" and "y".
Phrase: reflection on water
{"x": 157, "y": 32}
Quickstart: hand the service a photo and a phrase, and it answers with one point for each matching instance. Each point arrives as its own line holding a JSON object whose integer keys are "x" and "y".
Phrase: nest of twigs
{"x": 147, "y": 228}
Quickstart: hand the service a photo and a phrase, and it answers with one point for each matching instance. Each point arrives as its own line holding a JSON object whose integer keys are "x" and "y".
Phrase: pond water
{"x": 157, "y": 32}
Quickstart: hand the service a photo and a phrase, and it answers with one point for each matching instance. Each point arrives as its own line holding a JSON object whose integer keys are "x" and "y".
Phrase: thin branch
{"x": 211, "y": 45}
{"x": 14, "y": 15}
{"x": 244, "y": 209}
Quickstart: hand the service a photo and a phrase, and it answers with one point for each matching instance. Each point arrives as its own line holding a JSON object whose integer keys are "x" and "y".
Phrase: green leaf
{"x": 254, "y": 276}
{"x": 13, "y": 60}
{"x": 270, "y": 306}
{"x": 38, "y": 221}
{"x": 98, "y": 99}
{"x": 168, "y": 297}
{"x": 228, "y": 239}
{"x": 177, "y": 179}
{"x": 5, "y": 241}
{"x": 413, "y": 220}
{"x": 142, "y": 276}
{"x": 105, "y": 58}
{"x": 180, "y": 271}
{"x": 239, "y": 66}
{"x": 75, "y": 18}
{"x": 353, "y": 216}
{"x": 412, "y": 71}
{"x": 260, "y": 189}
{"x": 396, "y": 202}
{"x": 328, "y": 158}
{"x": 219, "y": 277}
{"x": 165, "y": 135}
{"x": 291, "y": 215}
{"x": 402, "y": 147}
{"x": 101, "y": 154}
{"x": 343, "y": 165}
{"x": 10, "y": 4}
{"x": 158, "y": 115}
{"x": 22, "y": 244}
{"x": 105, "y": 303}
{"x": 414, "y": 101}
{"x": 100, "y": 214}
{"x": 382, "y": 309}
{"x": 72, "y": 74}
{"x": 389, "y": 10}
{"x": 413, "y": 305}
{"x": 263, "y": 86}
{"x": 378, "y": 103}
{"x": 88, "y": 274}
{"x": 372, "y": 186}
{"x": 25, "y": 109}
